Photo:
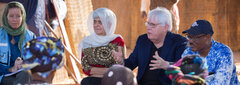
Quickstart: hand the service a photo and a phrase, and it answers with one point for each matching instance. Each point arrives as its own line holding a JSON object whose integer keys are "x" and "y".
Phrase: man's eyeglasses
{"x": 195, "y": 37}
{"x": 151, "y": 24}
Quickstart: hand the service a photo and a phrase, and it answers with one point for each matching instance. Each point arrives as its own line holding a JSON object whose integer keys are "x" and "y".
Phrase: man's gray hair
{"x": 162, "y": 15}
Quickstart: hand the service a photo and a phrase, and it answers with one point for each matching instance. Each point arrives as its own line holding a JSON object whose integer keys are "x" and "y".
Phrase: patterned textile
{"x": 43, "y": 55}
{"x": 220, "y": 62}
{"x": 190, "y": 67}
{"x": 99, "y": 56}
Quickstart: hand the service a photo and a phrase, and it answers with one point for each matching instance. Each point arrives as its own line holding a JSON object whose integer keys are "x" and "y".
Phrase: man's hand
{"x": 159, "y": 63}
{"x": 118, "y": 55}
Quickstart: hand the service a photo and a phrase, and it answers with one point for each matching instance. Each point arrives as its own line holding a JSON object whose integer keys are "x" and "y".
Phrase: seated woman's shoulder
{"x": 119, "y": 38}
{"x": 119, "y": 41}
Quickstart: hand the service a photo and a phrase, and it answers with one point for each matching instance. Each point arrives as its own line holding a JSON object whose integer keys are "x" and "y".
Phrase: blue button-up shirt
{"x": 220, "y": 61}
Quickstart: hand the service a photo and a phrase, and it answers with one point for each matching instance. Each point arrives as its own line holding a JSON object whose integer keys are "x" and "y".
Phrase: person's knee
{"x": 7, "y": 80}
{"x": 24, "y": 74}
{"x": 91, "y": 81}
{"x": 23, "y": 77}
{"x": 84, "y": 81}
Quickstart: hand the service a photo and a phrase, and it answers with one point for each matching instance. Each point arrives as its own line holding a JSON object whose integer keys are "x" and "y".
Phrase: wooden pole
{"x": 66, "y": 42}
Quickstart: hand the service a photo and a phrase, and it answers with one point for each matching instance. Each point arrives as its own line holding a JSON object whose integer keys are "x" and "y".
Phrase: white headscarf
{"x": 108, "y": 19}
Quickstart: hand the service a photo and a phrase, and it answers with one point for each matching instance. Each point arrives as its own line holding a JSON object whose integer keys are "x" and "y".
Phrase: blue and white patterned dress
{"x": 220, "y": 61}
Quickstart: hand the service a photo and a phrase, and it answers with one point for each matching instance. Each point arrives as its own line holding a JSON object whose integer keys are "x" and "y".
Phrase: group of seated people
{"x": 162, "y": 57}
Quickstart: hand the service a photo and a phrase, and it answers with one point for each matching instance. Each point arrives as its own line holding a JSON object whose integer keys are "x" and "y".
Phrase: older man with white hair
{"x": 157, "y": 41}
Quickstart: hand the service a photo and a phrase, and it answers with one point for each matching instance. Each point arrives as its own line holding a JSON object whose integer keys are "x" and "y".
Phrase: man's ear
{"x": 166, "y": 27}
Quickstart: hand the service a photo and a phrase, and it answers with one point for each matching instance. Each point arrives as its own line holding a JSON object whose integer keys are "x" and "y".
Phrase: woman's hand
{"x": 118, "y": 55}
{"x": 17, "y": 65}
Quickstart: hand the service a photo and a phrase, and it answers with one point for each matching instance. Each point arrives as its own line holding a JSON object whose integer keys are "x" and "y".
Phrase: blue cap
{"x": 200, "y": 27}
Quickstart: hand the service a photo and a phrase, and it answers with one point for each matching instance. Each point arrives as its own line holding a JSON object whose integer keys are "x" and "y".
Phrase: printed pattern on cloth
{"x": 43, "y": 54}
{"x": 220, "y": 62}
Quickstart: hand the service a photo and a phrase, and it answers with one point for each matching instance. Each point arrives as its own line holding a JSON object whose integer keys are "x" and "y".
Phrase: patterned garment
{"x": 220, "y": 62}
{"x": 191, "y": 68}
{"x": 43, "y": 55}
{"x": 101, "y": 55}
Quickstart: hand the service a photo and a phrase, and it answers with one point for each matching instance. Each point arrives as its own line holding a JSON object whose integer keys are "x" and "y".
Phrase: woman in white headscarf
{"x": 98, "y": 48}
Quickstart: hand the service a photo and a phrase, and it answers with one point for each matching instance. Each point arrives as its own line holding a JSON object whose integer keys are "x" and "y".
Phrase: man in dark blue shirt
{"x": 158, "y": 41}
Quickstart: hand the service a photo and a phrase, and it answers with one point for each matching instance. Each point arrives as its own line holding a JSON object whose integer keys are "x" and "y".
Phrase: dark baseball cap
{"x": 200, "y": 27}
